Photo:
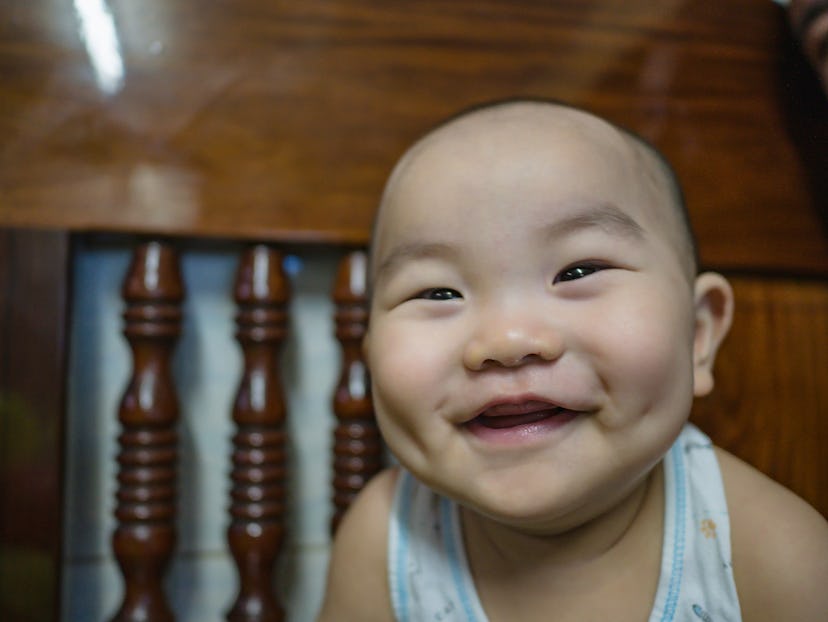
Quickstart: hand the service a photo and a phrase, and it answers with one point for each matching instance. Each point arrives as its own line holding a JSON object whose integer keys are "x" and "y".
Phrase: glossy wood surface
{"x": 34, "y": 295}
{"x": 357, "y": 447}
{"x": 258, "y": 495}
{"x": 280, "y": 120}
{"x": 144, "y": 539}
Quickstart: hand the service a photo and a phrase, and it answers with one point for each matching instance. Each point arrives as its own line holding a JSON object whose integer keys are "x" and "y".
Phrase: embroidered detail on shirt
{"x": 708, "y": 528}
{"x": 448, "y": 609}
{"x": 702, "y": 614}
{"x": 696, "y": 445}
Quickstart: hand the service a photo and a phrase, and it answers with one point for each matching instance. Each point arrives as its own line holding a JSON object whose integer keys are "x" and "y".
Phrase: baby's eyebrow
{"x": 605, "y": 216}
{"x": 413, "y": 250}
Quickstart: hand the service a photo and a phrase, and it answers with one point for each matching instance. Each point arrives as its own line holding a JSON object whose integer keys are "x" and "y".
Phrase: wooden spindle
{"x": 357, "y": 446}
{"x": 257, "y": 505}
{"x": 145, "y": 536}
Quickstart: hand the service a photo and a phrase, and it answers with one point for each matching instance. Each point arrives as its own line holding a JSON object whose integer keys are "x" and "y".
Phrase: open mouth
{"x": 511, "y": 421}
{"x": 504, "y": 416}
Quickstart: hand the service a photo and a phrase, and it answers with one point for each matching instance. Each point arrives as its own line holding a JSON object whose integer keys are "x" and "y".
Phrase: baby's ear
{"x": 714, "y": 312}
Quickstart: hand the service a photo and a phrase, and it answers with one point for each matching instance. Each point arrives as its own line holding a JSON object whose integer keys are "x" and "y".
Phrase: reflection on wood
{"x": 357, "y": 447}
{"x": 257, "y": 509}
{"x": 144, "y": 539}
{"x": 292, "y": 113}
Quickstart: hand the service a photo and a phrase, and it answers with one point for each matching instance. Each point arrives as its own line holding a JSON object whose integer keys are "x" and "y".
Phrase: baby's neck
{"x": 581, "y": 573}
{"x": 489, "y": 542}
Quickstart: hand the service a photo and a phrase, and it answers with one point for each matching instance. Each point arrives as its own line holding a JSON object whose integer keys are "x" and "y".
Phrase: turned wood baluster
{"x": 258, "y": 496}
{"x": 144, "y": 538}
{"x": 357, "y": 447}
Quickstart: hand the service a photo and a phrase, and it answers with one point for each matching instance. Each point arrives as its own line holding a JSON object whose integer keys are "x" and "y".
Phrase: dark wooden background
{"x": 275, "y": 121}
{"x": 268, "y": 119}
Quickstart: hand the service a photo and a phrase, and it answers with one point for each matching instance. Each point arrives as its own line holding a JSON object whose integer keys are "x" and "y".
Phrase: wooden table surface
{"x": 280, "y": 120}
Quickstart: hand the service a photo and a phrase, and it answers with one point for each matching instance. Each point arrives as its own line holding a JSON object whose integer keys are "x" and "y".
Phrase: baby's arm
{"x": 780, "y": 548}
{"x": 357, "y": 588}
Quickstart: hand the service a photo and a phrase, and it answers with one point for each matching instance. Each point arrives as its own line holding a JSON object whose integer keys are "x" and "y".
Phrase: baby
{"x": 537, "y": 334}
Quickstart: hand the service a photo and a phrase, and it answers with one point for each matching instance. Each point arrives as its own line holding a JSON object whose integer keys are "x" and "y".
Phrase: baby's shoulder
{"x": 780, "y": 547}
{"x": 357, "y": 585}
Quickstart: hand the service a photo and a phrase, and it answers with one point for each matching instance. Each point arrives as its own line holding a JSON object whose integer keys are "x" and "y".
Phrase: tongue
{"x": 511, "y": 421}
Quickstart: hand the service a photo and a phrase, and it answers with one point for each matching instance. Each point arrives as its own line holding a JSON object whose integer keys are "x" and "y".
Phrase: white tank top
{"x": 429, "y": 573}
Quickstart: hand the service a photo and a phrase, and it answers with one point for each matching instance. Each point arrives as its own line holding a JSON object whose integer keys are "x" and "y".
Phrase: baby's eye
{"x": 573, "y": 273}
{"x": 439, "y": 293}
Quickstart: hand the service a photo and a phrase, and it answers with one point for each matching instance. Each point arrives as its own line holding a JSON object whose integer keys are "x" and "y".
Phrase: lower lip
{"x": 520, "y": 434}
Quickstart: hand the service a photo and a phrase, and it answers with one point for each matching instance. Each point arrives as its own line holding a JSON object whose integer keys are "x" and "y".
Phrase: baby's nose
{"x": 512, "y": 343}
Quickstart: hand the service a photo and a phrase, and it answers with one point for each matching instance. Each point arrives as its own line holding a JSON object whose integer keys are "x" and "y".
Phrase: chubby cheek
{"x": 646, "y": 358}
{"x": 409, "y": 382}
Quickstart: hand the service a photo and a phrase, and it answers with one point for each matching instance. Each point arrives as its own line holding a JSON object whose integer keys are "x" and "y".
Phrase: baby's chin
{"x": 529, "y": 518}
{"x": 530, "y": 511}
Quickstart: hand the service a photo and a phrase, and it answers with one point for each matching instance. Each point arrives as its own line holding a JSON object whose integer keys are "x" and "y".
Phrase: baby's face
{"x": 532, "y": 325}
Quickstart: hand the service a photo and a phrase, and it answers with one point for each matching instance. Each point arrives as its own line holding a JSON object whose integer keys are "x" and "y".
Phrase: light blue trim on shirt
{"x": 452, "y": 541}
{"x": 402, "y": 520}
{"x": 680, "y": 481}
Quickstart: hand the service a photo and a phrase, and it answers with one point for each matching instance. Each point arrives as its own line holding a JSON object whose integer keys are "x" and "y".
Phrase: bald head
{"x": 549, "y": 140}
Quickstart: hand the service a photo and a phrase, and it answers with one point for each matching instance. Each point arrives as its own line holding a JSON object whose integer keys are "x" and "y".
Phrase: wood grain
{"x": 34, "y": 300}
{"x": 281, "y": 120}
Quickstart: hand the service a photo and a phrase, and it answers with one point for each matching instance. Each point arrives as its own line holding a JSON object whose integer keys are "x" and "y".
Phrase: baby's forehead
{"x": 518, "y": 146}
{"x": 524, "y": 142}
{"x": 519, "y": 125}
{"x": 529, "y": 134}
